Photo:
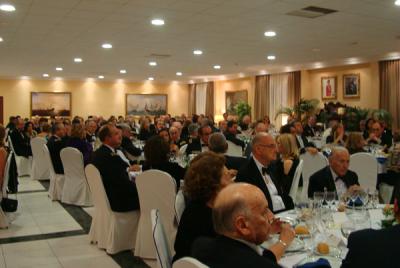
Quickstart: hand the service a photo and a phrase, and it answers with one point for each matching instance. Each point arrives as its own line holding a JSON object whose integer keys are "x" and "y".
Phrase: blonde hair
{"x": 354, "y": 141}
{"x": 78, "y": 131}
{"x": 288, "y": 142}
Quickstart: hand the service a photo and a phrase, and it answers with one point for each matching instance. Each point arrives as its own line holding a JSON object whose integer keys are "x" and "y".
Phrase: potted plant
{"x": 242, "y": 109}
{"x": 301, "y": 110}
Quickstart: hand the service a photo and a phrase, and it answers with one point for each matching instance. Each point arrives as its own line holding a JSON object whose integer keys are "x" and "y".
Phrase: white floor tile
{"x": 47, "y": 229}
{"x": 27, "y": 184}
{"x": 75, "y": 240}
{"x": 16, "y": 231}
{"x": 93, "y": 262}
{"x": 90, "y": 211}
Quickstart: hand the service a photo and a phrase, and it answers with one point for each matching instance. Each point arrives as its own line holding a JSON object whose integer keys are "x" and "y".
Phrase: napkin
{"x": 357, "y": 203}
{"x": 320, "y": 263}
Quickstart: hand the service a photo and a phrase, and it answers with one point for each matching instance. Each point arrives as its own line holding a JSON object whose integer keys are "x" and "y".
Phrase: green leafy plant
{"x": 301, "y": 110}
{"x": 382, "y": 115}
{"x": 353, "y": 116}
{"x": 242, "y": 109}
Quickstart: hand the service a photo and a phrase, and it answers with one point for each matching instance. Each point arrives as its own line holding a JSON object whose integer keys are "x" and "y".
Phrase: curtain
{"x": 192, "y": 99}
{"x": 389, "y": 94}
{"x": 261, "y": 97}
{"x": 201, "y": 96}
{"x": 278, "y": 95}
{"x": 294, "y": 88}
{"x": 209, "y": 110}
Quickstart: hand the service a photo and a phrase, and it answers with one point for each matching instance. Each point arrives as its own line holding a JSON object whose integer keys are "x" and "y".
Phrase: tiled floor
{"x": 50, "y": 234}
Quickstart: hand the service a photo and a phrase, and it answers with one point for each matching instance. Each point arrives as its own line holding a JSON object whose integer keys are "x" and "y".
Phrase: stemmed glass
{"x": 373, "y": 197}
{"x": 330, "y": 198}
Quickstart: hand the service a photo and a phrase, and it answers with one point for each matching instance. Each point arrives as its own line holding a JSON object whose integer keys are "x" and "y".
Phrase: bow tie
{"x": 265, "y": 171}
{"x": 339, "y": 178}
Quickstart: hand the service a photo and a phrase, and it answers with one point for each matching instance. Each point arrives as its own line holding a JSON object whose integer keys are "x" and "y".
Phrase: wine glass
{"x": 330, "y": 198}
{"x": 373, "y": 197}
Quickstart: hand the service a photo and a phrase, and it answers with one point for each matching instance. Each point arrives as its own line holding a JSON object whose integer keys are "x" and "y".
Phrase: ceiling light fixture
{"x": 24, "y": 77}
{"x": 270, "y": 34}
{"x": 7, "y": 8}
{"x": 197, "y": 52}
{"x": 271, "y": 57}
{"x": 179, "y": 73}
{"x": 151, "y": 78}
{"x": 1, "y": 39}
{"x": 122, "y": 71}
{"x": 59, "y": 69}
{"x": 158, "y": 22}
{"x": 78, "y": 60}
{"x": 101, "y": 76}
{"x": 106, "y": 46}
{"x": 45, "y": 75}
{"x": 397, "y": 2}
{"x": 153, "y": 63}
{"x": 217, "y": 67}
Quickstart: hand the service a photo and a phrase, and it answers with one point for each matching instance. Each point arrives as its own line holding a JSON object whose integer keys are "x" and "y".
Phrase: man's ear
{"x": 242, "y": 226}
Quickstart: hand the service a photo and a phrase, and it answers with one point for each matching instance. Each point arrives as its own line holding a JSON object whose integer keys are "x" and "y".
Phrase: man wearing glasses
{"x": 259, "y": 172}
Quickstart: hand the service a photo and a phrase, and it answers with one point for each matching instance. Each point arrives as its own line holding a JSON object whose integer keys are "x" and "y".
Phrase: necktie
{"x": 265, "y": 171}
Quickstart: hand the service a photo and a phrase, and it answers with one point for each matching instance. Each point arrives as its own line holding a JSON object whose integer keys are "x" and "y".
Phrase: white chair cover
{"x": 188, "y": 262}
{"x": 366, "y": 167}
{"x": 112, "y": 231}
{"x": 182, "y": 150}
{"x": 56, "y": 180}
{"x": 23, "y": 164}
{"x": 40, "y": 167}
{"x": 311, "y": 164}
{"x": 4, "y": 223}
{"x": 234, "y": 150}
{"x": 179, "y": 206}
{"x": 164, "y": 257}
{"x": 76, "y": 189}
{"x": 157, "y": 190}
{"x": 296, "y": 180}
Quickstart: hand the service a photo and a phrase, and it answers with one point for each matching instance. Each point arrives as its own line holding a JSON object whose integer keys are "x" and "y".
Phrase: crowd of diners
{"x": 230, "y": 200}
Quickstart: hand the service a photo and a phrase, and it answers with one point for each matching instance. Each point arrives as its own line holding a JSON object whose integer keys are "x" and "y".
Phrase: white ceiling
{"x": 43, "y": 34}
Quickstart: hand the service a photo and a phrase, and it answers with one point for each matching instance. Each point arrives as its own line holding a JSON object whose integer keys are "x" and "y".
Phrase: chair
{"x": 311, "y": 164}
{"x": 234, "y": 150}
{"x": 76, "y": 189}
{"x": 164, "y": 257}
{"x": 296, "y": 180}
{"x": 182, "y": 150}
{"x": 157, "y": 190}
{"x": 188, "y": 262}
{"x": 40, "y": 167}
{"x": 179, "y": 205}
{"x": 56, "y": 180}
{"x": 366, "y": 167}
{"x": 112, "y": 231}
{"x": 4, "y": 223}
{"x": 23, "y": 164}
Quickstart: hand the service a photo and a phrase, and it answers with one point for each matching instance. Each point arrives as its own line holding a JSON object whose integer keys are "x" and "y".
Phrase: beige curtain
{"x": 389, "y": 94}
{"x": 261, "y": 96}
{"x": 210, "y": 99}
{"x": 294, "y": 87}
{"x": 192, "y": 99}
{"x": 278, "y": 96}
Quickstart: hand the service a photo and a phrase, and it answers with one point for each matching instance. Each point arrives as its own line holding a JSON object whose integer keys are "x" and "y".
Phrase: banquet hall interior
{"x": 80, "y": 77}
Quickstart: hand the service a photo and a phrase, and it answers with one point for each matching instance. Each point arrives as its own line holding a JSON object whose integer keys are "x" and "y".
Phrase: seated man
{"x": 91, "y": 128}
{"x": 199, "y": 144}
{"x": 375, "y": 248}
{"x": 379, "y": 136}
{"x": 230, "y": 134}
{"x": 121, "y": 191}
{"x": 20, "y": 141}
{"x": 55, "y": 144}
{"x": 336, "y": 176}
{"x": 242, "y": 221}
{"x": 301, "y": 140}
{"x": 127, "y": 146}
{"x": 309, "y": 128}
{"x": 258, "y": 171}
{"x": 175, "y": 136}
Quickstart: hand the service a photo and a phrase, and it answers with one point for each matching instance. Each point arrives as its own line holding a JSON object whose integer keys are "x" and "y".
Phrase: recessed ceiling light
{"x": 191, "y": 81}
{"x": 271, "y": 57}
{"x": 158, "y": 22}
{"x": 77, "y": 60}
{"x": 101, "y": 76}
{"x": 397, "y": 3}
{"x": 58, "y": 78}
{"x": 24, "y": 77}
{"x": 1, "y": 39}
{"x": 151, "y": 78}
{"x": 45, "y": 75}
{"x": 270, "y": 34}
{"x": 59, "y": 69}
{"x": 179, "y": 73}
{"x": 217, "y": 67}
{"x": 197, "y": 52}
{"x": 7, "y": 7}
{"x": 153, "y": 63}
{"x": 122, "y": 71}
{"x": 106, "y": 46}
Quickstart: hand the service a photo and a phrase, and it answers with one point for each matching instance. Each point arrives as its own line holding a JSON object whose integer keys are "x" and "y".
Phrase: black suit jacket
{"x": 121, "y": 191}
{"x": 234, "y": 162}
{"x": 249, "y": 173}
{"x": 373, "y": 248}
{"x": 308, "y": 131}
{"x": 323, "y": 179}
{"x": 305, "y": 142}
{"x": 194, "y": 144}
{"x": 55, "y": 145}
{"x": 128, "y": 146}
{"x": 223, "y": 252}
{"x": 231, "y": 137}
{"x": 21, "y": 143}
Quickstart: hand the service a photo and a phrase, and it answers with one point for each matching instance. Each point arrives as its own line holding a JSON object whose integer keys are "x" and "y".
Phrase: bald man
{"x": 336, "y": 176}
{"x": 243, "y": 221}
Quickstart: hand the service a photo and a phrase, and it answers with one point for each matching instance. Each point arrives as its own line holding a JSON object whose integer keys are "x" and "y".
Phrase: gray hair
{"x": 337, "y": 149}
{"x": 123, "y": 126}
{"x": 258, "y": 137}
{"x": 217, "y": 143}
{"x": 192, "y": 128}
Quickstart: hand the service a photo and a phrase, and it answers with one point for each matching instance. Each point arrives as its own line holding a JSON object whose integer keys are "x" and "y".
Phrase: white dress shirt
{"x": 341, "y": 187}
{"x": 300, "y": 140}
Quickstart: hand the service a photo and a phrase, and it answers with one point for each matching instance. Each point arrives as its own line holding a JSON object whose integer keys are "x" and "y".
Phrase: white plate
{"x": 296, "y": 245}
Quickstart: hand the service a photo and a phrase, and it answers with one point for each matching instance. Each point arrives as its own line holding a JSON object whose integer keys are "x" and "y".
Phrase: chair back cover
{"x": 76, "y": 189}
{"x": 157, "y": 190}
{"x": 6, "y": 176}
{"x": 163, "y": 254}
{"x": 40, "y": 167}
{"x": 234, "y": 150}
{"x": 311, "y": 164}
{"x": 296, "y": 180}
{"x": 179, "y": 205}
{"x": 24, "y": 165}
{"x": 188, "y": 262}
{"x": 182, "y": 150}
{"x": 99, "y": 196}
{"x": 366, "y": 167}
{"x": 56, "y": 180}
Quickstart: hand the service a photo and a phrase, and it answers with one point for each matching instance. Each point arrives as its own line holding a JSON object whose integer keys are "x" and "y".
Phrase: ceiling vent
{"x": 311, "y": 12}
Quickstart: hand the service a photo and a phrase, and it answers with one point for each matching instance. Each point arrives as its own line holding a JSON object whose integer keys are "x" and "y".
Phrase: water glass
{"x": 331, "y": 198}
{"x": 373, "y": 197}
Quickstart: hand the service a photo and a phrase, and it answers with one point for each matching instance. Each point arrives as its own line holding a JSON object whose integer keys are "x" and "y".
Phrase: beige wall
{"x": 369, "y": 84}
{"x": 89, "y": 98}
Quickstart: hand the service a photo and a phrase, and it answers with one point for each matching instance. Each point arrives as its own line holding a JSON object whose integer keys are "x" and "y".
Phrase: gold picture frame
{"x": 146, "y": 104}
{"x": 48, "y": 104}
{"x": 351, "y": 86}
{"x": 329, "y": 88}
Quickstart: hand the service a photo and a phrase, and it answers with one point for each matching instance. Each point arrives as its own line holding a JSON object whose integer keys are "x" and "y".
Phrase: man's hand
{"x": 312, "y": 150}
{"x": 134, "y": 168}
{"x": 287, "y": 233}
{"x": 354, "y": 188}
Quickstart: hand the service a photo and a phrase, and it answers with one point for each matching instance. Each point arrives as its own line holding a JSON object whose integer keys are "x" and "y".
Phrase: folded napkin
{"x": 320, "y": 263}
{"x": 357, "y": 203}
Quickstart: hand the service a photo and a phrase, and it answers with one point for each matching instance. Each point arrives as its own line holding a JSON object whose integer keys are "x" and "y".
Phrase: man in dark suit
{"x": 199, "y": 144}
{"x": 91, "y": 127}
{"x": 379, "y": 136}
{"x": 120, "y": 190}
{"x": 301, "y": 140}
{"x": 375, "y": 248}
{"x": 308, "y": 129}
{"x": 20, "y": 141}
{"x": 242, "y": 221}
{"x": 336, "y": 176}
{"x": 259, "y": 172}
{"x": 231, "y": 132}
{"x": 127, "y": 146}
{"x": 55, "y": 144}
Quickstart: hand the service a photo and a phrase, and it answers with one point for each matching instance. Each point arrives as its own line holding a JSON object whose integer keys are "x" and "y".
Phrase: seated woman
{"x": 3, "y": 154}
{"x": 157, "y": 153}
{"x": 29, "y": 131}
{"x": 78, "y": 141}
{"x": 206, "y": 176}
{"x": 355, "y": 143}
{"x": 145, "y": 132}
{"x": 289, "y": 160}
{"x": 45, "y": 131}
{"x": 337, "y": 137}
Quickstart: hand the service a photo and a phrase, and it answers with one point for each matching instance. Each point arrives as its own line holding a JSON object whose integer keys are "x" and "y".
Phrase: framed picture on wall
{"x": 234, "y": 97}
{"x": 50, "y": 103}
{"x": 328, "y": 88}
{"x": 351, "y": 85}
{"x": 146, "y": 104}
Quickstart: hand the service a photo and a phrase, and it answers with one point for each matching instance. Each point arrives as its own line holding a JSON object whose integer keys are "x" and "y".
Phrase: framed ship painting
{"x": 51, "y": 104}
{"x": 146, "y": 104}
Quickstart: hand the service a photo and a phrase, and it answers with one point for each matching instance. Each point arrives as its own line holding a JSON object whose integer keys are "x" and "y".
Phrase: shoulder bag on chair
{"x": 9, "y": 205}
